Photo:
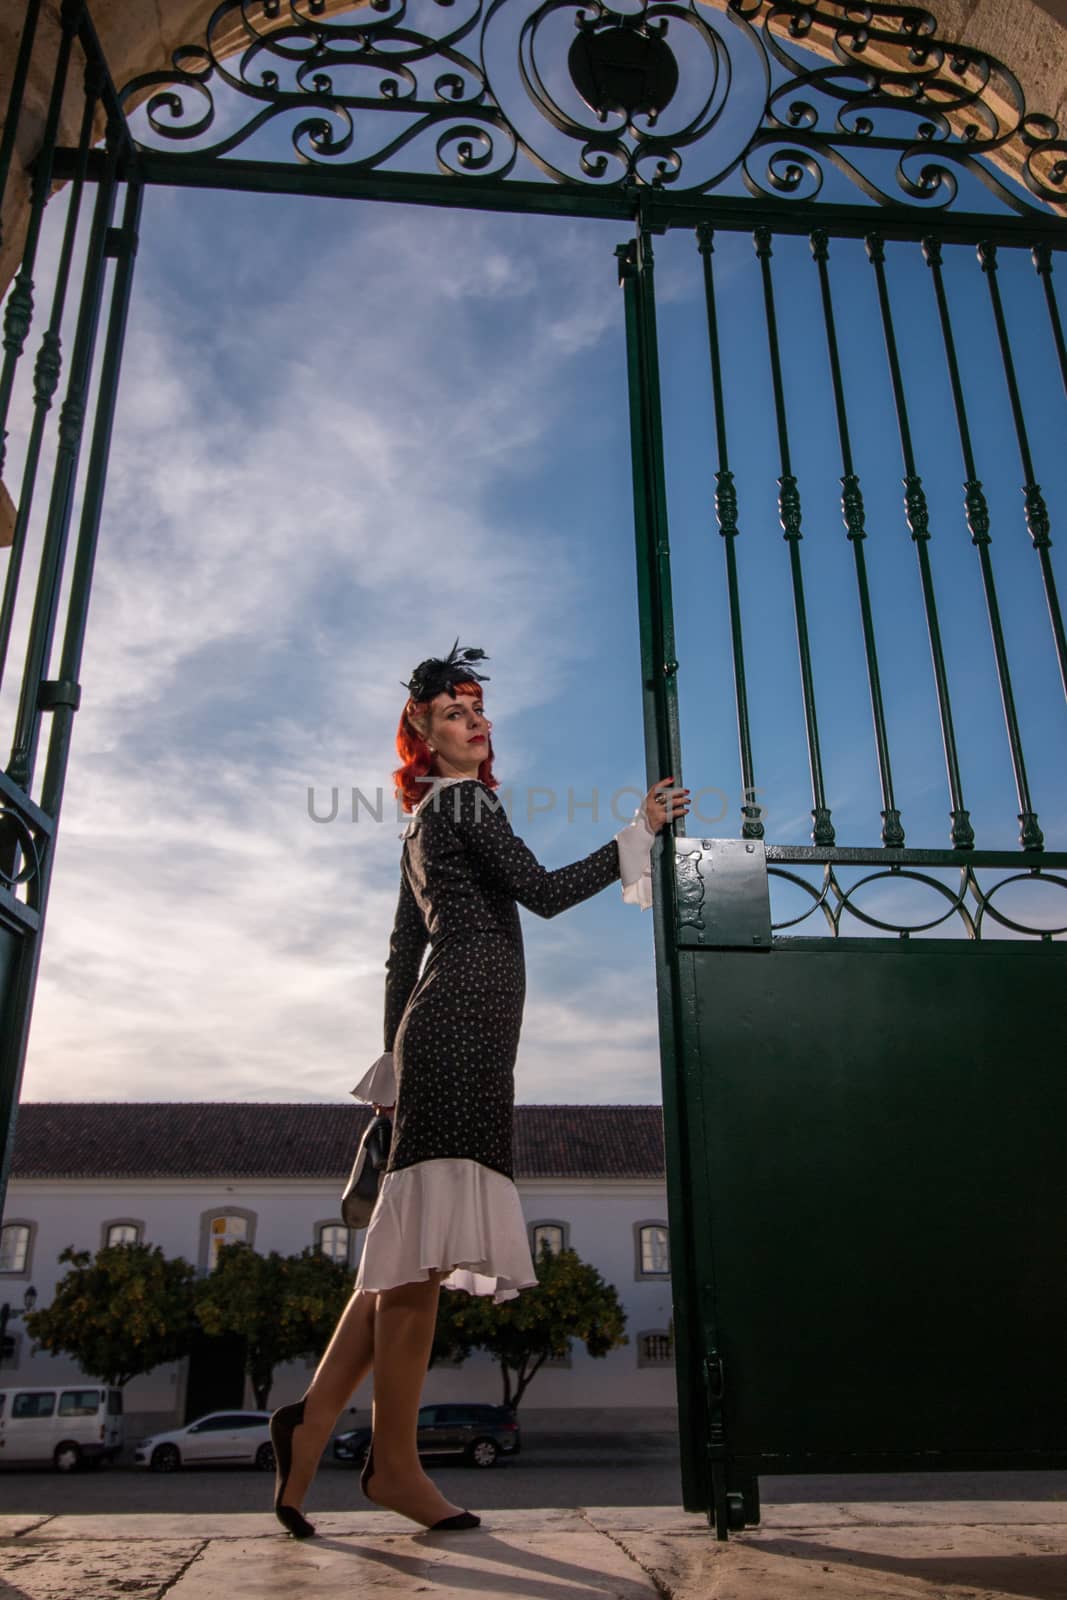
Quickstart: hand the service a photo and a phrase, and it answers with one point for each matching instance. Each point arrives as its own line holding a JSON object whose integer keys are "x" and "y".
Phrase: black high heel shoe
{"x": 282, "y": 1426}
{"x": 462, "y": 1519}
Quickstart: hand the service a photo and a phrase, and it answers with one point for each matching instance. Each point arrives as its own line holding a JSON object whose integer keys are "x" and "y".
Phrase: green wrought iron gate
{"x": 866, "y": 1187}
{"x": 865, "y": 1146}
{"x": 49, "y": 687}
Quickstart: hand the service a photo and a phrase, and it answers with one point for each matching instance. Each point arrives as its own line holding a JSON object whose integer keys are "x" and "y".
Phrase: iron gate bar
{"x": 1042, "y": 259}
{"x": 18, "y": 315}
{"x": 789, "y": 515}
{"x": 659, "y": 667}
{"x": 1037, "y": 518}
{"x": 977, "y": 514}
{"x": 726, "y": 517}
{"x": 49, "y": 363}
{"x": 658, "y": 208}
{"x": 854, "y": 516}
{"x": 962, "y": 833}
{"x": 61, "y": 503}
{"x": 118, "y": 129}
{"x": 65, "y": 702}
{"x": 682, "y": 1075}
{"x": 858, "y": 854}
{"x": 30, "y": 19}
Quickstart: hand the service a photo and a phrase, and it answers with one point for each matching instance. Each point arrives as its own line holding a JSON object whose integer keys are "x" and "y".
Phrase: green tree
{"x": 571, "y": 1301}
{"x": 284, "y": 1307}
{"x": 119, "y": 1313}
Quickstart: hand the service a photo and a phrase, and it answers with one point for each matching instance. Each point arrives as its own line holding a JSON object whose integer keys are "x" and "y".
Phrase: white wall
{"x": 600, "y": 1216}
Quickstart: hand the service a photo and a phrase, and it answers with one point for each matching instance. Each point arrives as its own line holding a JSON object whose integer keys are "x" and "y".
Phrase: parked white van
{"x": 67, "y": 1426}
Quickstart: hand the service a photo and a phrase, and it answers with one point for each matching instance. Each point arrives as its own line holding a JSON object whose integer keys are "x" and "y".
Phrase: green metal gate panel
{"x": 865, "y": 1134}
{"x": 883, "y": 1132}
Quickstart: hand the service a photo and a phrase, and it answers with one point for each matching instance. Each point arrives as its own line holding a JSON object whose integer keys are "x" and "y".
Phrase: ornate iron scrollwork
{"x": 21, "y": 847}
{"x": 971, "y": 901}
{"x": 643, "y": 93}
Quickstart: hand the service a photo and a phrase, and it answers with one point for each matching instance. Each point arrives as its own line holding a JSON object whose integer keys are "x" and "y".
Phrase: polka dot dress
{"x": 454, "y": 1031}
{"x": 448, "y": 1201}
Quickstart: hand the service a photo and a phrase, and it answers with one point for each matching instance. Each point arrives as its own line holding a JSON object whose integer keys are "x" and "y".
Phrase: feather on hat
{"x": 434, "y": 676}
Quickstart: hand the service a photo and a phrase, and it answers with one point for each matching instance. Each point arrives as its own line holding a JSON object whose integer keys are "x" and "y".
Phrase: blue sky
{"x": 348, "y": 432}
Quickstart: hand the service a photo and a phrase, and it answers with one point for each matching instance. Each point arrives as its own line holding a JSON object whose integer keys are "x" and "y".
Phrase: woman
{"x": 448, "y": 1210}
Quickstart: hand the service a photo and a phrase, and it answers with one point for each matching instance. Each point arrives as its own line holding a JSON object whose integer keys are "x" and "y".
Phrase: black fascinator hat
{"x": 434, "y": 676}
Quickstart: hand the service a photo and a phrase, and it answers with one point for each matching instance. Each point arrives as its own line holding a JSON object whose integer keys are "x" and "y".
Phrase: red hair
{"x": 416, "y": 758}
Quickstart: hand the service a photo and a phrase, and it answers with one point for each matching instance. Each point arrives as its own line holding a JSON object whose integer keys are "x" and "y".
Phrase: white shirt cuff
{"x": 635, "y": 843}
{"x": 378, "y": 1086}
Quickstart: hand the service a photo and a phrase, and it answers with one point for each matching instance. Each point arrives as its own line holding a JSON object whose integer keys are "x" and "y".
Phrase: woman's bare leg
{"x": 345, "y": 1363}
{"x": 403, "y": 1335}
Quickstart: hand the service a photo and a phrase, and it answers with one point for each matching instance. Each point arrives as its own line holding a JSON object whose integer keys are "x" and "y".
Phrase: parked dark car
{"x": 477, "y": 1433}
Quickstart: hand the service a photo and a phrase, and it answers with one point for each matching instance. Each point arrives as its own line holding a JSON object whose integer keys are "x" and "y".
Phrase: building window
{"x": 652, "y": 1250}
{"x": 122, "y": 1233}
{"x": 335, "y": 1242}
{"x": 233, "y": 1225}
{"x": 225, "y": 1230}
{"x": 15, "y": 1240}
{"x": 551, "y": 1236}
{"x": 655, "y": 1350}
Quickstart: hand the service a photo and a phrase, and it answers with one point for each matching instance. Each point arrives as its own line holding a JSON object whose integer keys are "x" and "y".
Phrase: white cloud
{"x": 278, "y": 546}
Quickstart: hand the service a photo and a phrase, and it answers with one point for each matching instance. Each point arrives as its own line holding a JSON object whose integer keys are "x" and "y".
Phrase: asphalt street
{"x": 597, "y": 1471}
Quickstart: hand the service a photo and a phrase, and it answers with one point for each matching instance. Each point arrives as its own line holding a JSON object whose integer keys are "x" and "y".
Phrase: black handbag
{"x": 361, "y": 1190}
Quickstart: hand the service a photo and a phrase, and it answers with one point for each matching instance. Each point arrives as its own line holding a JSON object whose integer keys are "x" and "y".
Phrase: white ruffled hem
{"x": 448, "y": 1214}
{"x": 378, "y": 1084}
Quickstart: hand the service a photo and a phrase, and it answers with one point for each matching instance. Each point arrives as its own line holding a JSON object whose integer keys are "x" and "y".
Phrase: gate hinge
{"x": 715, "y": 1388}
{"x": 723, "y": 895}
{"x": 626, "y": 256}
{"x": 56, "y": 692}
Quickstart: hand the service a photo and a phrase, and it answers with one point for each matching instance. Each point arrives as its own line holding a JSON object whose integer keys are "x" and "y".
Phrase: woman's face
{"x": 459, "y": 734}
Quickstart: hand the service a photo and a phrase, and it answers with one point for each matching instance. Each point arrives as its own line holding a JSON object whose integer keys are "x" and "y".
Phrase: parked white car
{"x": 223, "y": 1437}
{"x": 67, "y": 1425}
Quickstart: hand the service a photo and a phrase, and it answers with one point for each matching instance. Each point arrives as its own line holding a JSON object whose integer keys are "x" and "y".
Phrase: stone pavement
{"x": 981, "y": 1550}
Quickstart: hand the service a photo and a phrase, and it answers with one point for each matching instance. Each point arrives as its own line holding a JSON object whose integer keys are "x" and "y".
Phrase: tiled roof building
{"x": 181, "y": 1139}
{"x": 189, "y": 1176}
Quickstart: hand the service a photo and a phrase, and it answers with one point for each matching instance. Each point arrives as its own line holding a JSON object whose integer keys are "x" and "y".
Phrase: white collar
{"x": 432, "y": 788}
